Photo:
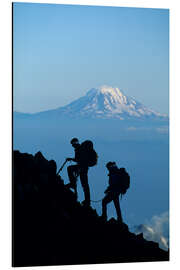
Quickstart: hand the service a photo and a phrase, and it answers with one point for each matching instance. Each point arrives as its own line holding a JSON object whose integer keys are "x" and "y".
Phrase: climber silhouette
{"x": 112, "y": 192}
{"x": 80, "y": 169}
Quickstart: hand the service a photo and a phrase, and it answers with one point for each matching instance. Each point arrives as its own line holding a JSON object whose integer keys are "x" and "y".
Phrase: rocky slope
{"x": 50, "y": 227}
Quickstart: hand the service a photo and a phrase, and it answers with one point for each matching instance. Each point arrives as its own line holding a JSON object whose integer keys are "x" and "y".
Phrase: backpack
{"x": 123, "y": 181}
{"x": 88, "y": 155}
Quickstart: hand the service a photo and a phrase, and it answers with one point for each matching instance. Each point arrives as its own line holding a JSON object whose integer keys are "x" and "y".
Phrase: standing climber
{"x": 85, "y": 158}
{"x": 119, "y": 181}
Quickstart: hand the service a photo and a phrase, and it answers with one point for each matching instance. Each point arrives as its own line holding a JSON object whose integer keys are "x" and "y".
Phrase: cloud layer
{"x": 157, "y": 230}
{"x": 161, "y": 130}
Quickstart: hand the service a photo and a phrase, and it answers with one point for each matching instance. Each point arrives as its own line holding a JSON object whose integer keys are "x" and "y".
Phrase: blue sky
{"x": 61, "y": 51}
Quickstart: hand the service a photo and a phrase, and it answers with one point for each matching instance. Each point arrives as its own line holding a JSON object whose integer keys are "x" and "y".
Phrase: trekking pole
{"x": 62, "y": 167}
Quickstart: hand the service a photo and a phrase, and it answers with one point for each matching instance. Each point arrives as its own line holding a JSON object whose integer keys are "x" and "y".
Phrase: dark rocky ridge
{"x": 51, "y": 228}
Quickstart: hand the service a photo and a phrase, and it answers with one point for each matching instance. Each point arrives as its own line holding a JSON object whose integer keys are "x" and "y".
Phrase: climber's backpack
{"x": 88, "y": 155}
{"x": 123, "y": 181}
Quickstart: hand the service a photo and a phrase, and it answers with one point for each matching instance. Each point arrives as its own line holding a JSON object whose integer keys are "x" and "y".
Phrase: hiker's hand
{"x": 68, "y": 159}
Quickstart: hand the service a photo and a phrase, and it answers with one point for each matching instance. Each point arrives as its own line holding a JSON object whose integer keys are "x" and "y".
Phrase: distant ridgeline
{"x": 51, "y": 228}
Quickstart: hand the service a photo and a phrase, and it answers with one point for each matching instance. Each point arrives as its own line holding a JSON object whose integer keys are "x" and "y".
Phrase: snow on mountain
{"x": 104, "y": 102}
{"x": 107, "y": 102}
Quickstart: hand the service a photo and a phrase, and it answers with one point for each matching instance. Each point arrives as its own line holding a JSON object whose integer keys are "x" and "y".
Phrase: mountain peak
{"x": 111, "y": 102}
{"x": 105, "y": 90}
{"x": 107, "y": 99}
{"x": 106, "y": 102}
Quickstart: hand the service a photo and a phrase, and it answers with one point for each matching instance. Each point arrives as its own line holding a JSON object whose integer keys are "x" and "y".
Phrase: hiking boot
{"x": 119, "y": 220}
{"x": 86, "y": 203}
{"x": 73, "y": 186}
{"x": 70, "y": 185}
{"x": 103, "y": 218}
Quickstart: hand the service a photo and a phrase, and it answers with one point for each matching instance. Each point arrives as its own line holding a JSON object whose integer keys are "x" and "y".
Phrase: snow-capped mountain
{"x": 107, "y": 102}
{"x": 104, "y": 102}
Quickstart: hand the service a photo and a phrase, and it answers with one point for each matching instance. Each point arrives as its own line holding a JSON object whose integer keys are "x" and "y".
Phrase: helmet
{"x": 74, "y": 141}
{"x": 111, "y": 164}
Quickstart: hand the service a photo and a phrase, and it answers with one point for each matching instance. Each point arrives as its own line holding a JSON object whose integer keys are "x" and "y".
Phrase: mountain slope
{"x": 51, "y": 228}
{"x": 107, "y": 102}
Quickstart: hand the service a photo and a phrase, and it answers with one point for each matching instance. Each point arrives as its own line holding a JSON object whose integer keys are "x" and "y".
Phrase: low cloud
{"x": 157, "y": 230}
{"x": 131, "y": 128}
{"x": 160, "y": 130}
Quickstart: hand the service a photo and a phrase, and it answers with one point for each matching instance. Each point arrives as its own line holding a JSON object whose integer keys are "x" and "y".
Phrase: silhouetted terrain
{"x": 50, "y": 227}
